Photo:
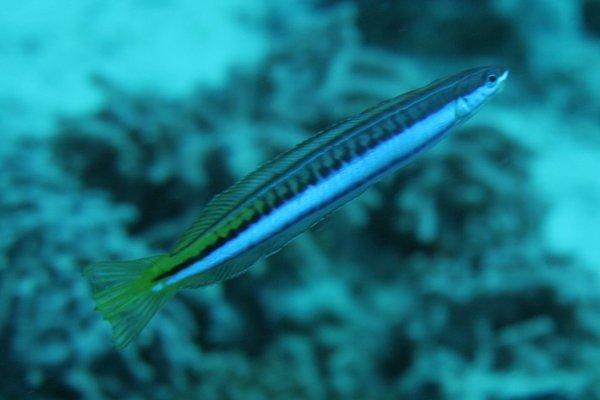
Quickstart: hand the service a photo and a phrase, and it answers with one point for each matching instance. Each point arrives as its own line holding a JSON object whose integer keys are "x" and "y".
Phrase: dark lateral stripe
{"x": 314, "y": 172}
{"x": 398, "y": 113}
{"x": 272, "y": 202}
{"x": 262, "y": 207}
{"x": 401, "y": 114}
{"x": 358, "y": 184}
{"x": 369, "y": 178}
{"x": 231, "y": 234}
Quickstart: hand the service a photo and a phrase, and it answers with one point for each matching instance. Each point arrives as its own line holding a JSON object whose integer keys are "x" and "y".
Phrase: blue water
{"x": 472, "y": 274}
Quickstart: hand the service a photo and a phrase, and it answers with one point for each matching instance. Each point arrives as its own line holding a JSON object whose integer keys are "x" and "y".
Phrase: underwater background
{"x": 472, "y": 274}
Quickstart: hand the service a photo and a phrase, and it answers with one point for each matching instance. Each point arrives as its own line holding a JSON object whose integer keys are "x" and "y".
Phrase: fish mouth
{"x": 501, "y": 80}
{"x": 503, "y": 77}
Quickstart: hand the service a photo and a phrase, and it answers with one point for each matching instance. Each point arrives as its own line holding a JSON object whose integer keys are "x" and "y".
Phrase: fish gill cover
{"x": 440, "y": 283}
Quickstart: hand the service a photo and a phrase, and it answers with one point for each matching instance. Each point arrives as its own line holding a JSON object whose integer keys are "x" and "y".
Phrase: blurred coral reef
{"x": 439, "y": 283}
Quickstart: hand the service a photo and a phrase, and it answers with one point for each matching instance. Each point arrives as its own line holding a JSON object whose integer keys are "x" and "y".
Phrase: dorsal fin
{"x": 222, "y": 204}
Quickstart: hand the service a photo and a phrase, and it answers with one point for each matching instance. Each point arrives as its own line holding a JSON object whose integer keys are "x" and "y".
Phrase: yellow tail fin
{"x": 124, "y": 297}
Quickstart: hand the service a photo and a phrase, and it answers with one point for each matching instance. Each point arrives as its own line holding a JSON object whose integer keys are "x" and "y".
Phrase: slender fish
{"x": 265, "y": 210}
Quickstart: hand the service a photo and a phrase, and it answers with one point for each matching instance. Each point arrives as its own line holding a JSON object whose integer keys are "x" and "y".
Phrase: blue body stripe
{"x": 334, "y": 190}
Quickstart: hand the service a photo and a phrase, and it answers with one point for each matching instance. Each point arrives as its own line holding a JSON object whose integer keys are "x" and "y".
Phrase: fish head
{"x": 478, "y": 85}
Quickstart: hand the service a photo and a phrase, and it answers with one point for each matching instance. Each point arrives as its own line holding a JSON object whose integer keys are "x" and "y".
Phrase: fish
{"x": 286, "y": 196}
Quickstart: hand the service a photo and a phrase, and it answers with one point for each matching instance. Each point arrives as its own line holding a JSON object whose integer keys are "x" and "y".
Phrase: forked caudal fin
{"x": 124, "y": 297}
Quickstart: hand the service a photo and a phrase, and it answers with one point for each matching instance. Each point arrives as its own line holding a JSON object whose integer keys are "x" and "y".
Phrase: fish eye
{"x": 492, "y": 78}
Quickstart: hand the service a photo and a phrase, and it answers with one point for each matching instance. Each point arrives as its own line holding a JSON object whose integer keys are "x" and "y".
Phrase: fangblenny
{"x": 286, "y": 196}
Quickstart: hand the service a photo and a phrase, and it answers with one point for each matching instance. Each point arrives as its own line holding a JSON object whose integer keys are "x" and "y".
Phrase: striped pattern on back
{"x": 310, "y": 162}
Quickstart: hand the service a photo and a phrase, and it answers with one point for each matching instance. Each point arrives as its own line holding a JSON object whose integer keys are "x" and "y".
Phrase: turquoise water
{"x": 472, "y": 274}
